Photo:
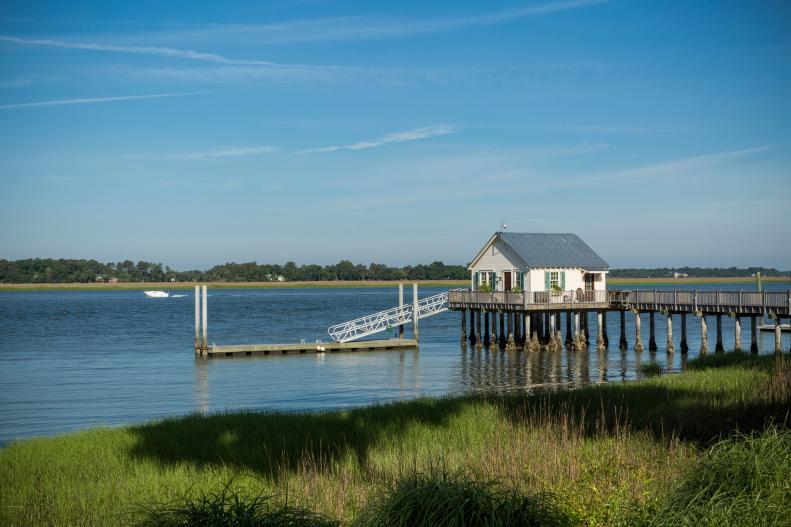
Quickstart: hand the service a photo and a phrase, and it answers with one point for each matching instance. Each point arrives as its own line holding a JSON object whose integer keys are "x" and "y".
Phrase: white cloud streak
{"x": 395, "y": 137}
{"x": 93, "y": 100}
{"x": 234, "y": 151}
{"x": 361, "y": 28}
{"x": 141, "y": 50}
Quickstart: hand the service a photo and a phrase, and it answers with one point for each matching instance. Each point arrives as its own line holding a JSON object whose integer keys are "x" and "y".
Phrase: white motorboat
{"x": 156, "y": 294}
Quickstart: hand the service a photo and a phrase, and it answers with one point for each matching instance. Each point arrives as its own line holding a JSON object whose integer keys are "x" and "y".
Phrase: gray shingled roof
{"x": 554, "y": 250}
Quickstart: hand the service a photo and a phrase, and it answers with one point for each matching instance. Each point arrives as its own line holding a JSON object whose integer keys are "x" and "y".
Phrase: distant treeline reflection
{"x": 51, "y": 271}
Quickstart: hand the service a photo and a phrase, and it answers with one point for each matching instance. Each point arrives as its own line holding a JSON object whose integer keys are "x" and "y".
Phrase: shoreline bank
{"x": 607, "y": 452}
{"x": 142, "y": 286}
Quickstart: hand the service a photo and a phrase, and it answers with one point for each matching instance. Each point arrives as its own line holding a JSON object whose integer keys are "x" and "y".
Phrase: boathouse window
{"x": 520, "y": 280}
{"x": 554, "y": 279}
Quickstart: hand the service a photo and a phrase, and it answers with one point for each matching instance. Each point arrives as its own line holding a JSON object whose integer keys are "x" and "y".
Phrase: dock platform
{"x": 242, "y": 350}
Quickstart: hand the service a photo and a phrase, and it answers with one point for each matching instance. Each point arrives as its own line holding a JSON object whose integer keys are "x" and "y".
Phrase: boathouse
{"x": 520, "y": 261}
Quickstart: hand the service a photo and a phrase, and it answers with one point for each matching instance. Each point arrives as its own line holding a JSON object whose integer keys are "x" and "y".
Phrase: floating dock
{"x": 242, "y": 350}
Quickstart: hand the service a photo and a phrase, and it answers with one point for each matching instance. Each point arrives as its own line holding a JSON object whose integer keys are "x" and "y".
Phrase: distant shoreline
{"x": 336, "y": 284}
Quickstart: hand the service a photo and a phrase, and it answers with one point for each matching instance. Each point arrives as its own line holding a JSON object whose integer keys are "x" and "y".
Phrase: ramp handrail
{"x": 383, "y": 320}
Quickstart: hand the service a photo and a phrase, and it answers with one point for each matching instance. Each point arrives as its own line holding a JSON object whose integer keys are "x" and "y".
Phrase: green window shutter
{"x": 477, "y": 279}
{"x": 492, "y": 280}
{"x": 546, "y": 281}
{"x": 563, "y": 280}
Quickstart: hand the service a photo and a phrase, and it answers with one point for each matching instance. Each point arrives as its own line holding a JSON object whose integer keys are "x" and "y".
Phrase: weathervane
{"x": 503, "y": 226}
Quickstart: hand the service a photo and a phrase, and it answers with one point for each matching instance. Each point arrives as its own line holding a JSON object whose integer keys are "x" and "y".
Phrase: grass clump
{"x": 443, "y": 499}
{"x": 231, "y": 508}
{"x": 742, "y": 481}
{"x": 651, "y": 369}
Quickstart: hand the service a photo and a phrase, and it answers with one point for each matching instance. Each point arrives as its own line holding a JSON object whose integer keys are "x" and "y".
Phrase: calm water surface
{"x": 71, "y": 360}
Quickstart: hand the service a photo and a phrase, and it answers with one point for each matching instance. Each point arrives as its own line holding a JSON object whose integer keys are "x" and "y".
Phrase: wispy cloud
{"x": 92, "y": 100}
{"x": 360, "y": 28}
{"x": 140, "y": 50}
{"x": 395, "y": 137}
{"x": 234, "y": 151}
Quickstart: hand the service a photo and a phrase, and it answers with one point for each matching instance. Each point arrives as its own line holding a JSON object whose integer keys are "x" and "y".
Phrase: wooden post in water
{"x": 569, "y": 333}
{"x": 669, "y": 345}
{"x": 599, "y": 331}
{"x": 487, "y": 338}
{"x": 478, "y": 332}
{"x": 622, "y": 344}
{"x": 401, "y": 306}
{"x": 604, "y": 329}
{"x": 737, "y": 333}
{"x": 463, "y": 327}
{"x": 415, "y": 332}
{"x": 704, "y": 335}
{"x": 651, "y": 332}
{"x": 473, "y": 336}
{"x": 638, "y": 344}
{"x": 197, "y": 320}
{"x": 778, "y": 335}
{"x": 528, "y": 332}
{"x": 684, "y": 345}
{"x": 718, "y": 348}
{"x": 205, "y": 347}
{"x": 501, "y": 340}
{"x": 753, "y": 335}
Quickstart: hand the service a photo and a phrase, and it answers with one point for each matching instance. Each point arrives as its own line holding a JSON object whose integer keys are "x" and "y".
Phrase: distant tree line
{"x": 695, "y": 272}
{"x": 47, "y": 270}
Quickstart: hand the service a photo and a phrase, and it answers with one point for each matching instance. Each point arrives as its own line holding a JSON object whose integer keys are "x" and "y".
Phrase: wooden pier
{"x": 242, "y": 350}
{"x": 532, "y": 319}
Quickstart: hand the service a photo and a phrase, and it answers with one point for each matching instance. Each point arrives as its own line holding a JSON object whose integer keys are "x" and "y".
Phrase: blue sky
{"x": 308, "y": 130}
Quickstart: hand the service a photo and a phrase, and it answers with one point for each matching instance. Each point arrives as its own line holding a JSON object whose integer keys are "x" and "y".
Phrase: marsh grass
{"x": 442, "y": 499}
{"x": 652, "y": 368}
{"x": 742, "y": 481}
{"x": 610, "y": 454}
{"x": 228, "y": 507}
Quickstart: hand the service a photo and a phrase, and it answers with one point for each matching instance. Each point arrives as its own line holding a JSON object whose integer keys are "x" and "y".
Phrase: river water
{"x": 70, "y": 360}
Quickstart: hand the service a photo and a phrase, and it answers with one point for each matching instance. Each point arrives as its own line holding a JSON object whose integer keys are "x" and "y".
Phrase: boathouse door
{"x": 507, "y": 280}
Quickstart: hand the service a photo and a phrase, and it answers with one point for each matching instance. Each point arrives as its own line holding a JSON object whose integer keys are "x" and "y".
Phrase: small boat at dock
{"x": 156, "y": 294}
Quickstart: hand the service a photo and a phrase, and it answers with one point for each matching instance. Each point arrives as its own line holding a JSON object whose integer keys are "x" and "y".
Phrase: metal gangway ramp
{"x": 390, "y": 318}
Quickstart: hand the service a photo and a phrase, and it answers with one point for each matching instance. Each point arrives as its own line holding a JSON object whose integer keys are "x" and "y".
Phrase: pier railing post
{"x": 415, "y": 332}
{"x": 205, "y": 346}
{"x": 401, "y": 307}
{"x": 197, "y": 320}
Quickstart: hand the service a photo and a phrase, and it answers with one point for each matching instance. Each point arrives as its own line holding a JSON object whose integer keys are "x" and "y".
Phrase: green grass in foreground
{"x": 616, "y": 454}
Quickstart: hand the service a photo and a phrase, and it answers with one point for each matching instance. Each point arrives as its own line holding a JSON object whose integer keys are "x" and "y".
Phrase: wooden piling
{"x": 569, "y": 333}
{"x": 501, "y": 340}
{"x": 604, "y": 329}
{"x": 473, "y": 336}
{"x": 463, "y": 327}
{"x": 684, "y": 345}
{"x": 753, "y": 335}
{"x": 487, "y": 338}
{"x": 718, "y": 348}
{"x": 638, "y": 344}
{"x": 669, "y": 345}
{"x": 704, "y": 335}
{"x": 778, "y": 336}
{"x": 737, "y": 333}
{"x": 651, "y": 332}
{"x": 622, "y": 344}
{"x": 599, "y": 331}
{"x": 478, "y": 337}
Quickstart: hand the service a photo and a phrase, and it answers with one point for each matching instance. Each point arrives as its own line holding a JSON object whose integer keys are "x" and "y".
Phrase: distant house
{"x": 515, "y": 261}
{"x": 112, "y": 280}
